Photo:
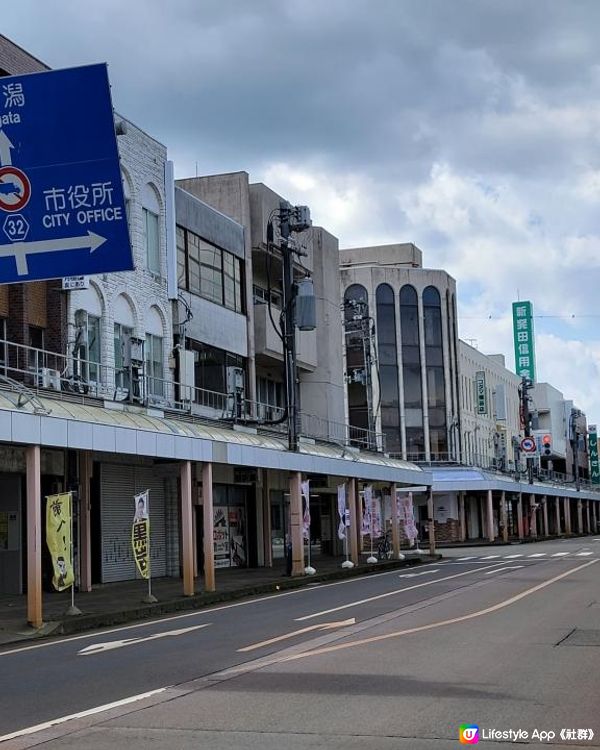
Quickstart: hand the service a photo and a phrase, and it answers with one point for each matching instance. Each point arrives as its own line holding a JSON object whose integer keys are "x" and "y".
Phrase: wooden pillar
{"x": 579, "y": 516}
{"x": 558, "y": 529}
{"x": 187, "y": 527}
{"x": 520, "y": 515}
{"x": 353, "y": 531}
{"x": 34, "y": 536}
{"x": 545, "y": 515}
{"x": 567, "y": 507}
{"x": 395, "y": 523}
{"x": 85, "y": 529}
{"x": 296, "y": 523}
{"x": 594, "y": 517}
{"x": 195, "y": 539}
{"x": 266, "y": 500}
{"x": 532, "y": 517}
{"x": 431, "y": 522}
{"x": 461, "y": 516}
{"x": 208, "y": 515}
{"x": 587, "y": 515}
{"x": 504, "y": 517}
{"x": 490, "y": 516}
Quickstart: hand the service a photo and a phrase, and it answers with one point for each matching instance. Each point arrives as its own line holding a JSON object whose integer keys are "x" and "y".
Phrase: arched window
{"x": 150, "y": 227}
{"x": 411, "y": 372}
{"x": 87, "y": 350}
{"x": 434, "y": 367}
{"x": 357, "y": 330}
{"x": 388, "y": 368}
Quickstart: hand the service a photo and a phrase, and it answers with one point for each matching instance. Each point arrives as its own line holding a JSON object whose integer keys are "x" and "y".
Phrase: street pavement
{"x": 507, "y": 638}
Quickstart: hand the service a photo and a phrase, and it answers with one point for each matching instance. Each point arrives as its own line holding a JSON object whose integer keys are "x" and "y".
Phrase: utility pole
{"x": 524, "y": 388}
{"x": 574, "y": 437}
{"x": 292, "y": 219}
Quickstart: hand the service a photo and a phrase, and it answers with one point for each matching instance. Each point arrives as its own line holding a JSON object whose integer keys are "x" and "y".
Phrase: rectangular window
{"x": 208, "y": 271}
{"x": 86, "y": 352}
{"x": 152, "y": 242}
{"x": 181, "y": 259}
{"x": 154, "y": 364}
{"x": 211, "y": 273}
{"x": 122, "y": 334}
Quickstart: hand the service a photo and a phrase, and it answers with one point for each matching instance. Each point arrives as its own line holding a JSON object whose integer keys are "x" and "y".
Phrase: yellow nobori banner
{"x": 58, "y": 539}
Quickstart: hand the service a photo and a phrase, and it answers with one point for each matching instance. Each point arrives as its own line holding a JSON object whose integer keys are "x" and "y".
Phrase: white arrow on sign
{"x": 5, "y": 147}
{"x": 320, "y": 626}
{"x": 422, "y": 573}
{"x": 98, "y": 648}
{"x": 20, "y": 250}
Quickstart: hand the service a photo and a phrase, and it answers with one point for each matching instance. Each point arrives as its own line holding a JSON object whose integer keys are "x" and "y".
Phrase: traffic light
{"x": 547, "y": 445}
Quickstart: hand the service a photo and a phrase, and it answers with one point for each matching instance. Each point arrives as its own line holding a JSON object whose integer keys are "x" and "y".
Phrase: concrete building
{"x": 401, "y": 350}
{"x": 440, "y": 402}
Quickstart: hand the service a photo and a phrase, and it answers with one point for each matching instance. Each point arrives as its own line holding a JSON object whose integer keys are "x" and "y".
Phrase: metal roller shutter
{"x": 118, "y": 486}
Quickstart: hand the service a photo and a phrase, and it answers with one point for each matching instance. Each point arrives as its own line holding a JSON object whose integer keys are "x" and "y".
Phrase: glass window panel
{"x": 211, "y": 274}
{"x": 181, "y": 260}
{"x": 388, "y": 377}
{"x": 414, "y": 417}
{"x": 409, "y": 325}
{"x": 431, "y": 296}
{"x": 387, "y": 354}
{"x": 411, "y": 355}
{"x": 154, "y": 364}
{"x": 229, "y": 280}
{"x": 433, "y": 326}
{"x": 152, "y": 241}
{"x": 408, "y": 295}
{"x": 412, "y": 386}
{"x": 120, "y": 336}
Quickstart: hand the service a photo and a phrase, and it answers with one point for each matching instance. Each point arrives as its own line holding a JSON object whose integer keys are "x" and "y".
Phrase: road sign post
{"x": 62, "y": 208}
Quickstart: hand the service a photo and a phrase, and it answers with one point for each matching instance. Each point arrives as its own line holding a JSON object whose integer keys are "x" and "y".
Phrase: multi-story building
{"x": 444, "y": 404}
{"x": 401, "y": 350}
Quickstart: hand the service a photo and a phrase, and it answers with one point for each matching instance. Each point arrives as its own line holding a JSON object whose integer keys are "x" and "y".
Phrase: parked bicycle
{"x": 384, "y": 547}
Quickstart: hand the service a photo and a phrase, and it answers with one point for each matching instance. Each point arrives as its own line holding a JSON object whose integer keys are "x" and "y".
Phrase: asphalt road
{"x": 506, "y": 638}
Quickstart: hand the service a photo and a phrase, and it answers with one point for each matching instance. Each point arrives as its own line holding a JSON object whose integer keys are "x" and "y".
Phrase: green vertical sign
{"x": 523, "y": 338}
{"x": 480, "y": 392}
{"x": 593, "y": 448}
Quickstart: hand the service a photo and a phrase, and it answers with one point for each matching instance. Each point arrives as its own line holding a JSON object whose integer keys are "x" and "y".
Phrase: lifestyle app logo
{"x": 468, "y": 734}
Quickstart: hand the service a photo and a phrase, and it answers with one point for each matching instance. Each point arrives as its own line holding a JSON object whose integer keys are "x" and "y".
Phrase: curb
{"x": 140, "y": 613}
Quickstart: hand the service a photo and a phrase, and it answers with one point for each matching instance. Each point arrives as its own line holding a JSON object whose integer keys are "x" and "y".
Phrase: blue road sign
{"x": 62, "y": 210}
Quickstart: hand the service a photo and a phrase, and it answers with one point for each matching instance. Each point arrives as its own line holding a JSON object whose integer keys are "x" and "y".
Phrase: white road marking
{"x": 512, "y": 557}
{"x": 81, "y": 714}
{"x": 433, "y": 625}
{"x": 320, "y": 626}
{"x": 422, "y": 573}
{"x": 560, "y": 554}
{"x": 583, "y": 554}
{"x": 489, "y": 557}
{"x": 467, "y": 558}
{"x": 500, "y": 570}
{"x": 538, "y": 554}
{"x": 385, "y": 595}
{"x": 195, "y": 613}
{"x": 98, "y": 648}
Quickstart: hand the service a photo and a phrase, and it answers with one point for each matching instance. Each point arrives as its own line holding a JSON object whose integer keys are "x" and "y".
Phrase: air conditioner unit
{"x": 48, "y": 378}
{"x": 235, "y": 380}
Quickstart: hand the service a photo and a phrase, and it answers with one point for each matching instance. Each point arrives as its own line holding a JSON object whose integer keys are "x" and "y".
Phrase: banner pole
{"x": 150, "y": 598}
{"x": 72, "y": 611}
{"x": 347, "y": 562}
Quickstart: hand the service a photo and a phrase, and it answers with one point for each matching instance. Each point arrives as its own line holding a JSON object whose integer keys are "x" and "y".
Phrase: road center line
{"x": 442, "y": 623}
{"x": 391, "y": 593}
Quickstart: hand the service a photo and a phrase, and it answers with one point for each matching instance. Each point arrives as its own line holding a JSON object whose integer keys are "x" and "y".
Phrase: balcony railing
{"x": 70, "y": 377}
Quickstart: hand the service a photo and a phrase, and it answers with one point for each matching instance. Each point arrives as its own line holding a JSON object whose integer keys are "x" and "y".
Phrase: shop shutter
{"x": 119, "y": 484}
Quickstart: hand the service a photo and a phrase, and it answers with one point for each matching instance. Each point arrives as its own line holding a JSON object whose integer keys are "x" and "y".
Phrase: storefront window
{"x": 411, "y": 372}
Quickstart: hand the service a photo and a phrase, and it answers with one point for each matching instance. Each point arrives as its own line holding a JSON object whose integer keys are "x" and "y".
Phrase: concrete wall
{"x": 480, "y": 432}
{"x": 322, "y": 390}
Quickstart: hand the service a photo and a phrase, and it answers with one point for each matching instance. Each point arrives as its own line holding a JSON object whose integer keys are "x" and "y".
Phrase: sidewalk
{"x": 118, "y": 603}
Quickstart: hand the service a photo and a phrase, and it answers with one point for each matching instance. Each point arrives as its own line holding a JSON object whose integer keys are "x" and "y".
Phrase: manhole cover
{"x": 582, "y": 638}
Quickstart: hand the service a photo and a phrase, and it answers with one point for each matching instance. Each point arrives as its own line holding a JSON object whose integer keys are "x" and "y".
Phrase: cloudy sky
{"x": 470, "y": 127}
